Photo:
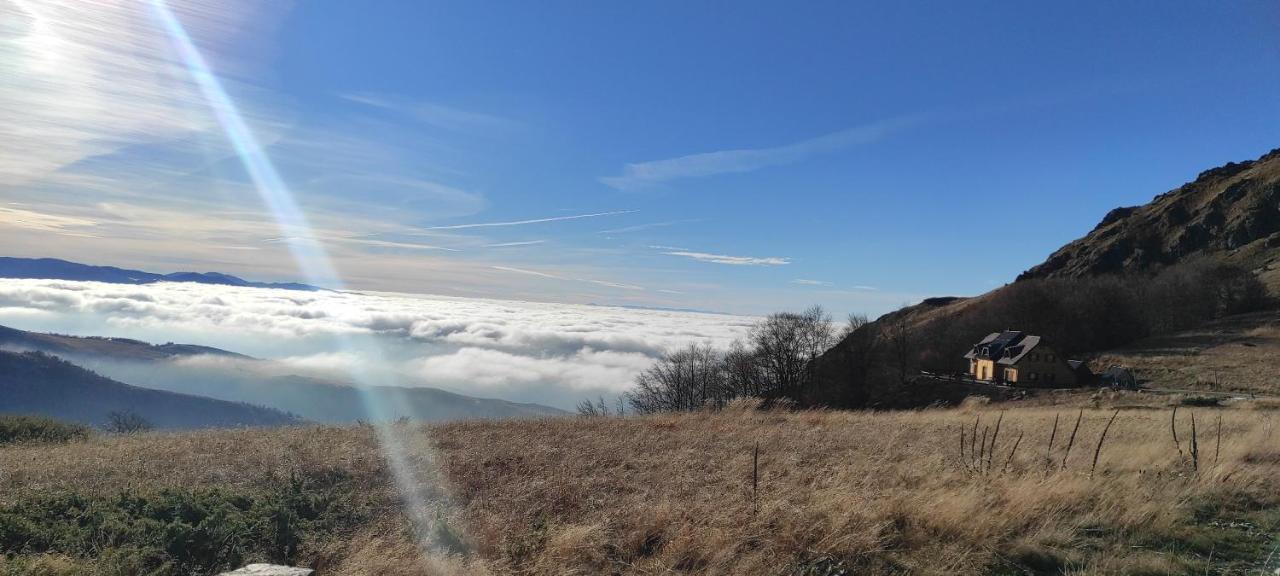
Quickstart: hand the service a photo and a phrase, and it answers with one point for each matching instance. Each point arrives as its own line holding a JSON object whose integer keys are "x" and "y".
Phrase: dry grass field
{"x": 1236, "y": 354}
{"x": 869, "y": 493}
{"x": 832, "y": 492}
{"x": 343, "y": 464}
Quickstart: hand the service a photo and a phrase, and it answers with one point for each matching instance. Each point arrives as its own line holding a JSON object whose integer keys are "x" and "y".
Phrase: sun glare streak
{"x": 310, "y": 255}
{"x": 308, "y": 252}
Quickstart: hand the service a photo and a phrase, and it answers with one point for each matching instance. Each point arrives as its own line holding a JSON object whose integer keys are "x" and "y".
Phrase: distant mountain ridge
{"x": 1230, "y": 213}
{"x": 41, "y": 384}
{"x": 156, "y": 366}
{"x": 55, "y": 269}
{"x": 119, "y": 348}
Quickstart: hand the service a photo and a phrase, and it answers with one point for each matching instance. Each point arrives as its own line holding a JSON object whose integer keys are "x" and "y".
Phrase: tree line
{"x": 774, "y": 361}
{"x": 807, "y": 358}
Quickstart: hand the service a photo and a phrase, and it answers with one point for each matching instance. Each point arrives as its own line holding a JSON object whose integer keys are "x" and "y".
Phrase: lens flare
{"x": 312, "y": 260}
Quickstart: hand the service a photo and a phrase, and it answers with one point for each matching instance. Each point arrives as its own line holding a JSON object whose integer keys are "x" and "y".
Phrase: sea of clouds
{"x": 555, "y": 354}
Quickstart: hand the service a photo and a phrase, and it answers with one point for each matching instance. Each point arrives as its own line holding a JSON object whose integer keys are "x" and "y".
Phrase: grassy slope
{"x": 872, "y": 492}
{"x": 243, "y": 463}
{"x": 1235, "y": 354}
{"x": 36, "y": 383}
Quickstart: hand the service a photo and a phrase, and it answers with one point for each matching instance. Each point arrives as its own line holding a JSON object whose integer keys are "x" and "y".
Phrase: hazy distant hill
{"x": 251, "y": 380}
{"x": 37, "y": 383}
{"x": 1230, "y": 213}
{"x": 118, "y": 348}
{"x": 54, "y": 269}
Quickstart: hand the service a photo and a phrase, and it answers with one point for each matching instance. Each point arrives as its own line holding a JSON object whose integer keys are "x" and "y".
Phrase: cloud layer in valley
{"x": 537, "y": 352}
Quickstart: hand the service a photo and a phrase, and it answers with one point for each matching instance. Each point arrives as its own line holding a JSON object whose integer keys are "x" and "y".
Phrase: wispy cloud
{"x": 730, "y": 260}
{"x": 44, "y": 222}
{"x": 531, "y": 221}
{"x": 647, "y": 226}
{"x": 618, "y": 285}
{"x": 807, "y": 282}
{"x": 86, "y": 79}
{"x": 514, "y": 244}
{"x": 605, "y": 283}
{"x": 434, "y": 114}
{"x": 528, "y": 272}
{"x": 393, "y": 244}
{"x": 644, "y": 174}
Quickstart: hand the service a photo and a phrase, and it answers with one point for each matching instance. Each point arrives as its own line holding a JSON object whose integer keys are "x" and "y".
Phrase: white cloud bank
{"x": 540, "y": 352}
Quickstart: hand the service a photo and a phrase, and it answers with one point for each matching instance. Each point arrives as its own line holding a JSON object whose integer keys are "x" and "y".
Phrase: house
{"x": 1020, "y": 359}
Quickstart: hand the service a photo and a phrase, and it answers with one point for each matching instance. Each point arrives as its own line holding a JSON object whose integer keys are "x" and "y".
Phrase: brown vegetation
{"x": 1230, "y": 214}
{"x": 863, "y": 492}
{"x": 1239, "y": 354}
{"x": 378, "y": 539}
{"x": 866, "y": 493}
{"x": 1077, "y": 316}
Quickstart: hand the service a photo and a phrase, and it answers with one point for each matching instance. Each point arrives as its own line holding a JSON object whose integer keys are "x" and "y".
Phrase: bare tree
{"x": 743, "y": 375}
{"x": 687, "y": 379}
{"x": 852, "y": 324}
{"x": 589, "y": 408}
{"x": 858, "y": 347}
{"x": 127, "y": 422}
{"x": 786, "y": 344}
{"x": 898, "y": 336}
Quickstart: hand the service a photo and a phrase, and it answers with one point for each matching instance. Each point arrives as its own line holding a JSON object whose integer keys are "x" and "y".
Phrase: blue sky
{"x": 740, "y": 156}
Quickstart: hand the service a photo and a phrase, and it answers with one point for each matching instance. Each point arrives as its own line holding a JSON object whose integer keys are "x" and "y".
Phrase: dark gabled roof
{"x": 992, "y": 347}
{"x": 1006, "y": 348}
{"x": 1015, "y": 353}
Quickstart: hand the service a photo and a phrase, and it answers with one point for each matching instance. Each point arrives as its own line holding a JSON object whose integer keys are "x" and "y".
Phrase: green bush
{"x": 176, "y": 532}
{"x": 14, "y": 429}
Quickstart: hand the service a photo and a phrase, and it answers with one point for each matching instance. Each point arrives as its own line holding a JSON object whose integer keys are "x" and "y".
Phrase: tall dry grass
{"x": 861, "y": 492}
{"x": 248, "y": 461}
{"x": 864, "y": 492}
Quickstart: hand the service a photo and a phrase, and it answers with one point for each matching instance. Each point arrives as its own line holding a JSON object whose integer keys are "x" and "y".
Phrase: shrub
{"x": 14, "y": 429}
{"x": 177, "y": 532}
{"x": 127, "y": 422}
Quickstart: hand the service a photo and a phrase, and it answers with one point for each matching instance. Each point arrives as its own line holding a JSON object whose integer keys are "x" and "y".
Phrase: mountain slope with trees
{"x": 35, "y": 383}
{"x": 1206, "y": 251}
{"x": 256, "y": 381}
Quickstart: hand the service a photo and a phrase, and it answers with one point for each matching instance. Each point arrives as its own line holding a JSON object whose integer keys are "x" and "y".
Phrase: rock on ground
{"x": 269, "y": 570}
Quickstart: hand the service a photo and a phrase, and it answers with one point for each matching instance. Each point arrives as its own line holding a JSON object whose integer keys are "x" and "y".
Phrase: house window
{"x": 1033, "y": 376}
{"x": 1050, "y": 358}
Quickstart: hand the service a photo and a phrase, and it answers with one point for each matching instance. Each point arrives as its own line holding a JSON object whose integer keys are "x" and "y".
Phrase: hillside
{"x": 36, "y": 383}
{"x": 1202, "y": 253}
{"x": 54, "y": 269}
{"x": 1238, "y": 354}
{"x": 834, "y": 493}
{"x": 240, "y": 378}
{"x": 118, "y": 348}
{"x": 1230, "y": 213}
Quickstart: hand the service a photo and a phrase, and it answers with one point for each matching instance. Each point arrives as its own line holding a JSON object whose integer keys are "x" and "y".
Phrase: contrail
{"x": 533, "y": 221}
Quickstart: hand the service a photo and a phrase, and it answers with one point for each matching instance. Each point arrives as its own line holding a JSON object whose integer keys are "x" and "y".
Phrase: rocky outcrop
{"x": 1230, "y": 213}
{"x": 269, "y": 570}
